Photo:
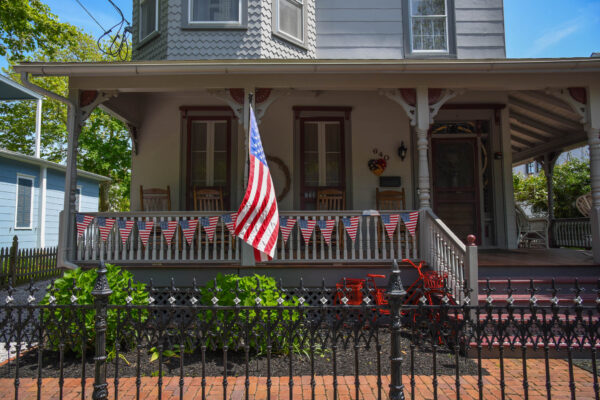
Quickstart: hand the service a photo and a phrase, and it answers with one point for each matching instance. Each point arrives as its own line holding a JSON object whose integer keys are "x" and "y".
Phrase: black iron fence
{"x": 23, "y": 265}
{"x": 342, "y": 332}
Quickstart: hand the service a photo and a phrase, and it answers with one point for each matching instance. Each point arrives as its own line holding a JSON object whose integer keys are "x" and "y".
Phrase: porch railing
{"x": 372, "y": 243}
{"x": 572, "y": 232}
{"x": 446, "y": 254}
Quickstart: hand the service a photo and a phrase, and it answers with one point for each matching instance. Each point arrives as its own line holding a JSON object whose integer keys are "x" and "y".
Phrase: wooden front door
{"x": 456, "y": 185}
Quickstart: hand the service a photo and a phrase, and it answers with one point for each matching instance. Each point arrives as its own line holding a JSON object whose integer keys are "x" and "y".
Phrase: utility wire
{"x": 90, "y": 14}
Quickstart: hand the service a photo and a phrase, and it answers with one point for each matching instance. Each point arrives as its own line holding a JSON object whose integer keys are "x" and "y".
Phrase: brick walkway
{"x": 324, "y": 388}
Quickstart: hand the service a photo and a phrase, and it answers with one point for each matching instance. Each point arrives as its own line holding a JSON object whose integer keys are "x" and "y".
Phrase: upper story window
{"x": 215, "y": 14}
{"x": 289, "y": 18}
{"x": 24, "y": 209}
{"x": 429, "y": 27}
{"x": 148, "y": 18}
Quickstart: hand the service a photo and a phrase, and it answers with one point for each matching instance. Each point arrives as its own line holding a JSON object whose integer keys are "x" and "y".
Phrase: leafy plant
{"x": 229, "y": 325}
{"x": 67, "y": 324}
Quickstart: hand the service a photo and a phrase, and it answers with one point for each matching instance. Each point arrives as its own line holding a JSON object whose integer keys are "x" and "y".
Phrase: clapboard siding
{"x": 480, "y": 29}
{"x": 359, "y": 29}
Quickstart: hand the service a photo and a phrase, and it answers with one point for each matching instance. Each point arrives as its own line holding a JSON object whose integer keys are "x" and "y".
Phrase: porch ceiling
{"x": 541, "y": 123}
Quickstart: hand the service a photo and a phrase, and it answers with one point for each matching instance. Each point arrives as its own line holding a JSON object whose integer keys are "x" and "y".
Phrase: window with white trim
{"x": 214, "y": 11}
{"x": 148, "y": 17}
{"x": 288, "y": 19}
{"x": 24, "y": 209}
{"x": 429, "y": 25}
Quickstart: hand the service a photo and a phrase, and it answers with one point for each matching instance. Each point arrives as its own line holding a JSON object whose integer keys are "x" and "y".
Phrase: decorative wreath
{"x": 279, "y": 162}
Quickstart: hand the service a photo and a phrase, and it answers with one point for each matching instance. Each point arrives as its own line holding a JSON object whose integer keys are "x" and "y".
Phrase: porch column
{"x": 421, "y": 128}
{"x": 68, "y": 233}
{"x": 592, "y": 128}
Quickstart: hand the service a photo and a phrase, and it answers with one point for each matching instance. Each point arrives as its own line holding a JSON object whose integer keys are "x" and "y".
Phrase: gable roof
{"x": 13, "y": 155}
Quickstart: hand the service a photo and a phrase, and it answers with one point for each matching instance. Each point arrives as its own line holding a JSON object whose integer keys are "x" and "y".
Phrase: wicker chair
{"x": 584, "y": 204}
{"x": 531, "y": 231}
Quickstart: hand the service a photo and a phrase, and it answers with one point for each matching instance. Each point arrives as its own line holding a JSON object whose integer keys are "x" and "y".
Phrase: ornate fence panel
{"x": 572, "y": 232}
{"x": 339, "y": 342}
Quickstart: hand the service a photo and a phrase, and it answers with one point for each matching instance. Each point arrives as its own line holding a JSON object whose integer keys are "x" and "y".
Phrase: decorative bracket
{"x": 407, "y": 98}
{"x": 264, "y": 99}
{"x": 90, "y": 99}
{"x": 133, "y": 134}
{"x": 575, "y": 97}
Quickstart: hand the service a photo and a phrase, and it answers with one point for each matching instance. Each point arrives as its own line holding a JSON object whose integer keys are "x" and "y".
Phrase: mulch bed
{"x": 367, "y": 361}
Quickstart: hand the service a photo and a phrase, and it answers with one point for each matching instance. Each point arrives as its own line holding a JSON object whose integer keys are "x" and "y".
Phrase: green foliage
{"x": 104, "y": 145}
{"x": 571, "y": 180}
{"x": 246, "y": 289}
{"x": 67, "y": 323}
{"x": 27, "y": 25}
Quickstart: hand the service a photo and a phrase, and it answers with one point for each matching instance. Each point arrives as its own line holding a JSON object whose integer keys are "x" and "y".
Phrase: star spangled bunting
{"x": 105, "y": 226}
{"x": 306, "y": 227}
{"x": 229, "y": 221}
{"x": 144, "y": 229}
{"x": 188, "y": 227}
{"x": 326, "y": 226}
{"x": 285, "y": 226}
{"x": 390, "y": 221}
{"x": 410, "y": 221}
{"x": 210, "y": 226}
{"x": 258, "y": 217}
{"x": 168, "y": 229}
{"x": 83, "y": 221}
{"x": 125, "y": 227}
{"x": 351, "y": 225}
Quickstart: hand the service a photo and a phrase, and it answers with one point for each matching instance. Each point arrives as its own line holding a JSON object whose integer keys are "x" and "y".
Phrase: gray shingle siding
{"x": 156, "y": 47}
{"x": 334, "y": 28}
{"x": 480, "y": 29}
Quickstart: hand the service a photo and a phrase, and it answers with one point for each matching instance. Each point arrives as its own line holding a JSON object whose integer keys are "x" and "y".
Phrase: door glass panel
{"x": 199, "y": 169}
{"x": 311, "y": 169}
{"x": 454, "y": 164}
{"x": 332, "y": 137}
{"x": 199, "y": 136}
{"x": 333, "y": 169}
{"x": 311, "y": 137}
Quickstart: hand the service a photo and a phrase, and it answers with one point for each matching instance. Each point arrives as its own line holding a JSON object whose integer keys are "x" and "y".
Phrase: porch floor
{"x": 536, "y": 258}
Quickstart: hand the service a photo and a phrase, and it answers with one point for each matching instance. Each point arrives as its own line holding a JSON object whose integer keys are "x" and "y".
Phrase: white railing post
{"x": 472, "y": 269}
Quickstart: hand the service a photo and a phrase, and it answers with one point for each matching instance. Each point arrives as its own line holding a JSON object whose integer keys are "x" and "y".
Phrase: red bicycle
{"x": 429, "y": 284}
{"x": 354, "y": 290}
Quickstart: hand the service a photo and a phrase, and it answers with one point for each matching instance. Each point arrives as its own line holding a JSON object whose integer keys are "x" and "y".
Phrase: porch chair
{"x": 155, "y": 199}
{"x": 388, "y": 200}
{"x": 531, "y": 231}
{"x": 584, "y": 204}
{"x": 208, "y": 199}
{"x": 332, "y": 199}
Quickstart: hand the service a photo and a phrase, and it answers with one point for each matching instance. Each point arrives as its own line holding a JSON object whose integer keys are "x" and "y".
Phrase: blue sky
{"x": 534, "y": 28}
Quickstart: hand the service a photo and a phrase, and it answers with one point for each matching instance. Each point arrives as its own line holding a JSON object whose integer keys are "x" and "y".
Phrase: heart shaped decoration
{"x": 377, "y": 166}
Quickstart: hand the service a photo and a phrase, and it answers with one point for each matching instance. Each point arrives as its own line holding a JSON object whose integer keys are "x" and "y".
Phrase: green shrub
{"x": 69, "y": 323}
{"x": 229, "y": 324}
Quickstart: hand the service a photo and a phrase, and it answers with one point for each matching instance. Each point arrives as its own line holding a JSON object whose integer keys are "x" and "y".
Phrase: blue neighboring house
{"x": 32, "y": 195}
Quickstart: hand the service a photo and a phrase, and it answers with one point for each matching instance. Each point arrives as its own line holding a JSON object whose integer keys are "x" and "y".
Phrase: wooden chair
{"x": 584, "y": 204}
{"x": 155, "y": 199}
{"x": 390, "y": 199}
{"x": 208, "y": 199}
{"x": 331, "y": 199}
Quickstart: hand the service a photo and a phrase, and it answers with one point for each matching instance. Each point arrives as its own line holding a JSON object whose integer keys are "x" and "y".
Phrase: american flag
{"x": 125, "y": 227}
{"x": 105, "y": 226}
{"x": 82, "y": 222}
{"x": 285, "y": 226}
{"x": 306, "y": 227}
{"x": 229, "y": 221}
{"x": 390, "y": 222}
{"x": 188, "y": 227}
{"x": 168, "y": 229}
{"x": 144, "y": 229}
{"x": 351, "y": 225}
{"x": 326, "y": 226}
{"x": 258, "y": 218}
{"x": 410, "y": 221}
{"x": 210, "y": 226}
